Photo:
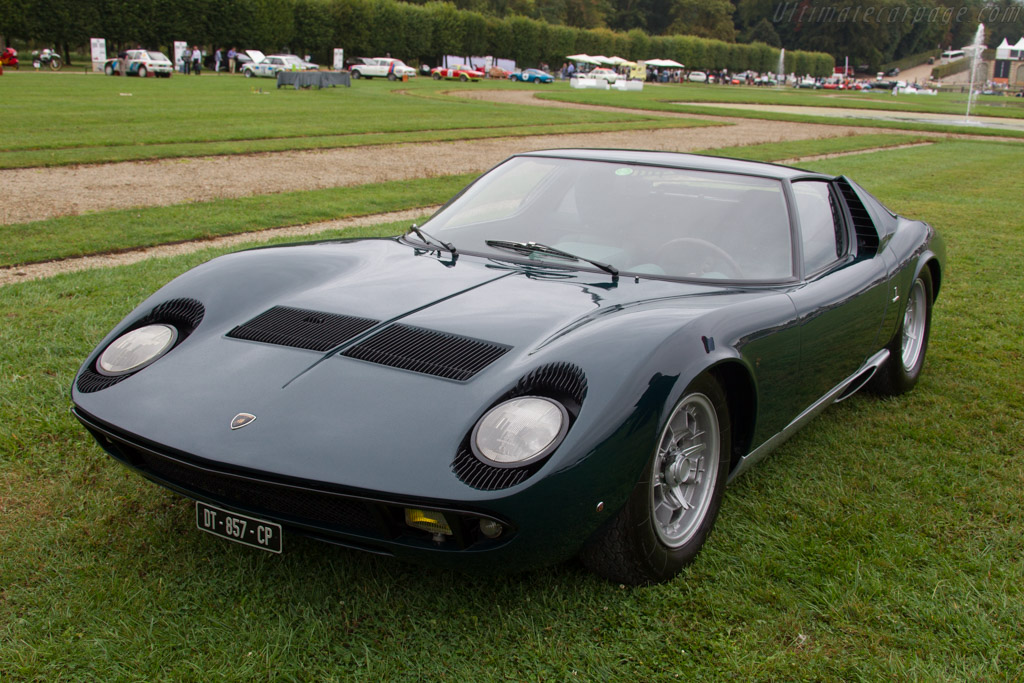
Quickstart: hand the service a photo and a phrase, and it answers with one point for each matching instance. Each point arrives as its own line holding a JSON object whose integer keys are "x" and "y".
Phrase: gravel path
{"x": 41, "y": 193}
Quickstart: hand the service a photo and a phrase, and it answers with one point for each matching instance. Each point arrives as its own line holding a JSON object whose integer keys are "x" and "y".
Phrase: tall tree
{"x": 704, "y": 18}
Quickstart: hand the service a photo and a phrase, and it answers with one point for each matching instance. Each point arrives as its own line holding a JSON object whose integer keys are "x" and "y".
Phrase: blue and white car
{"x": 267, "y": 66}
{"x": 532, "y": 76}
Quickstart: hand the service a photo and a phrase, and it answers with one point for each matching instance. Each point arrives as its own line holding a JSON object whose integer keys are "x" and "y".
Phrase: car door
{"x": 842, "y": 299}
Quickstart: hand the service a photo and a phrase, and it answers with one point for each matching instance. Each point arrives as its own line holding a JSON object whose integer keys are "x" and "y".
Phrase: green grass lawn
{"x": 695, "y": 98}
{"x": 68, "y": 118}
{"x": 884, "y": 542}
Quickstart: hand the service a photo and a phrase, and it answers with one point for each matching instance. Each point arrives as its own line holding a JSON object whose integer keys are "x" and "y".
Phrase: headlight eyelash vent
{"x": 563, "y": 382}
{"x": 184, "y": 314}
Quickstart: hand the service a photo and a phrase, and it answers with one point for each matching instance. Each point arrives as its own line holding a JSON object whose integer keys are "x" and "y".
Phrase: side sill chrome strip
{"x": 857, "y": 380}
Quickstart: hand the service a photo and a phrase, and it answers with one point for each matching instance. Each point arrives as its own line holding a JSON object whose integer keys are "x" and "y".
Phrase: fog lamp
{"x": 434, "y": 522}
{"x": 491, "y": 528}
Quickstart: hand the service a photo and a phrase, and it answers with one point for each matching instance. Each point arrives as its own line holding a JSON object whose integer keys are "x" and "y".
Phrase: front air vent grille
{"x": 432, "y": 353}
{"x": 863, "y": 226}
{"x": 301, "y": 328}
{"x": 184, "y": 314}
{"x": 472, "y": 471}
{"x": 90, "y": 381}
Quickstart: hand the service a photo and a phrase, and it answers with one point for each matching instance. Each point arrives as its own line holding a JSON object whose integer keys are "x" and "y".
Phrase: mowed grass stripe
{"x": 883, "y": 542}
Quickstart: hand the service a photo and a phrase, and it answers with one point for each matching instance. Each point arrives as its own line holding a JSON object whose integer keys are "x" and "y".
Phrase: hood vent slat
{"x": 302, "y": 329}
{"x": 429, "y": 352}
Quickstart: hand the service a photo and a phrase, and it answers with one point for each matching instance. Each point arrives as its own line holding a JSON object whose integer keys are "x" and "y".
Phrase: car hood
{"x": 359, "y": 422}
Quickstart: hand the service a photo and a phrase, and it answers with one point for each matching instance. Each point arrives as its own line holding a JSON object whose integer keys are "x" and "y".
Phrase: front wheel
{"x": 143, "y": 72}
{"x": 436, "y": 76}
{"x": 55, "y": 63}
{"x": 908, "y": 346}
{"x": 463, "y": 78}
{"x": 672, "y": 508}
{"x": 356, "y": 75}
{"x": 109, "y": 69}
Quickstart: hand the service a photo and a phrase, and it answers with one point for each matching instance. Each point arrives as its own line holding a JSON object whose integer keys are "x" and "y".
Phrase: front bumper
{"x": 359, "y": 520}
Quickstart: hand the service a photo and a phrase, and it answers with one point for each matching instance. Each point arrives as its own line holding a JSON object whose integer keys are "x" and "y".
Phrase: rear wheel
{"x": 463, "y": 78}
{"x": 109, "y": 69}
{"x": 908, "y": 346}
{"x": 142, "y": 72}
{"x": 672, "y": 508}
{"x": 436, "y": 76}
{"x": 392, "y": 77}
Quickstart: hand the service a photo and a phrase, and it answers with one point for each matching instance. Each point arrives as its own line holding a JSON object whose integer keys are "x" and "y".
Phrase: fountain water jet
{"x": 976, "y": 47}
{"x": 782, "y": 67}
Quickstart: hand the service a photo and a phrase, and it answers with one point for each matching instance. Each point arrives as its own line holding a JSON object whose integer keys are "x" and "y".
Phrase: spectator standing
{"x": 232, "y": 59}
{"x": 197, "y": 60}
{"x": 217, "y": 57}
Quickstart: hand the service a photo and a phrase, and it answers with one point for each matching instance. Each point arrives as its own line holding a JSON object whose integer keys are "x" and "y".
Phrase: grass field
{"x": 884, "y": 542}
{"x": 696, "y": 99}
{"x": 119, "y": 119}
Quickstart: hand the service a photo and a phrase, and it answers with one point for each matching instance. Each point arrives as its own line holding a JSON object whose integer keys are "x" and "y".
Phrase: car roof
{"x": 677, "y": 160}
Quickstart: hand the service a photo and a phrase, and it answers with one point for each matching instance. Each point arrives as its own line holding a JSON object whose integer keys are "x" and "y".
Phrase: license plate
{"x": 257, "y": 533}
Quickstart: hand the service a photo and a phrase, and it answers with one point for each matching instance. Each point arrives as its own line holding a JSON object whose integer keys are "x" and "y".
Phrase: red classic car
{"x": 462, "y": 73}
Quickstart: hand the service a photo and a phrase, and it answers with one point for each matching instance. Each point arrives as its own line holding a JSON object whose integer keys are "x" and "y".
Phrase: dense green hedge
{"x": 414, "y": 32}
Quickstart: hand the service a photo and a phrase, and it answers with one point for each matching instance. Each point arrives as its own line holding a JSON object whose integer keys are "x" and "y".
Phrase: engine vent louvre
{"x": 863, "y": 226}
{"x": 563, "y": 382}
{"x": 302, "y": 329}
{"x": 184, "y": 314}
{"x": 432, "y": 353}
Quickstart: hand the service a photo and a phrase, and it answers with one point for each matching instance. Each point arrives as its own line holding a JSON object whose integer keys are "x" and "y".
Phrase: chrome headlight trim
{"x": 519, "y": 431}
{"x": 136, "y": 349}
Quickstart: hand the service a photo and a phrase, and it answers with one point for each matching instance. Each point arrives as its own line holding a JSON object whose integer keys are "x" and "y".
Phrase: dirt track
{"x": 41, "y": 193}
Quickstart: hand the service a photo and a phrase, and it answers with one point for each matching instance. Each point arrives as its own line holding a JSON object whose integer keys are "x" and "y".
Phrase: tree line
{"x": 414, "y": 32}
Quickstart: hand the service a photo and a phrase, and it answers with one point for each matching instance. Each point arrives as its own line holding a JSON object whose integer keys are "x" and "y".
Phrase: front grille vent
{"x": 863, "y": 226}
{"x": 302, "y": 329}
{"x": 427, "y": 351}
{"x": 478, "y": 474}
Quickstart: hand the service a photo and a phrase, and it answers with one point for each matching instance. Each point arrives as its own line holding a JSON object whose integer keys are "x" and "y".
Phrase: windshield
{"x": 642, "y": 220}
{"x": 158, "y": 57}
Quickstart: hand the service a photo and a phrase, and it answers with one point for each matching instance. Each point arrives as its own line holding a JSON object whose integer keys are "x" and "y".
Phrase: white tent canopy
{"x": 586, "y": 59}
{"x": 666, "y": 63}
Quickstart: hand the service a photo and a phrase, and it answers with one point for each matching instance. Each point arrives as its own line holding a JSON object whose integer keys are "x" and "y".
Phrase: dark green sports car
{"x": 571, "y": 357}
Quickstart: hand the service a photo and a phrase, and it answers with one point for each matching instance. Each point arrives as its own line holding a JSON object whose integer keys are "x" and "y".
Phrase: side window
{"x": 820, "y": 228}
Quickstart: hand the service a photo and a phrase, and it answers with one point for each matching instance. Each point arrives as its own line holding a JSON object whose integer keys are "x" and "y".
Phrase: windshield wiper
{"x": 535, "y": 248}
{"x": 428, "y": 239}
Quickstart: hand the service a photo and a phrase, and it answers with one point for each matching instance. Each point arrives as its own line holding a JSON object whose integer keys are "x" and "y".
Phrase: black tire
{"x": 463, "y": 78}
{"x": 355, "y": 74}
{"x": 109, "y": 69}
{"x": 142, "y": 72}
{"x": 641, "y": 544}
{"x": 55, "y": 63}
{"x": 908, "y": 346}
{"x": 392, "y": 77}
{"x": 436, "y": 76}
{"x": 248, "y": 73}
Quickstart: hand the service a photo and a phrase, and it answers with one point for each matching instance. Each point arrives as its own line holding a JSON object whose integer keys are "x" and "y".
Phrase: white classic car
{"x": 384, "y": 67}
{"x": 267, "y": 66}
{"x": 141, "y": 63}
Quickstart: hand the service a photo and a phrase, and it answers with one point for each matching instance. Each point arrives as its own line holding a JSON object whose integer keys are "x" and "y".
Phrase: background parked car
{"x": 606, "y": 74}
{"x": 460, "y": 72}
{"x": 141, "y": 63}
{"x": 532, "y": 76}
{"x": 697, "y": 77}
{"x": 383, "y": 67}
{"x": 268, "y": 66}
